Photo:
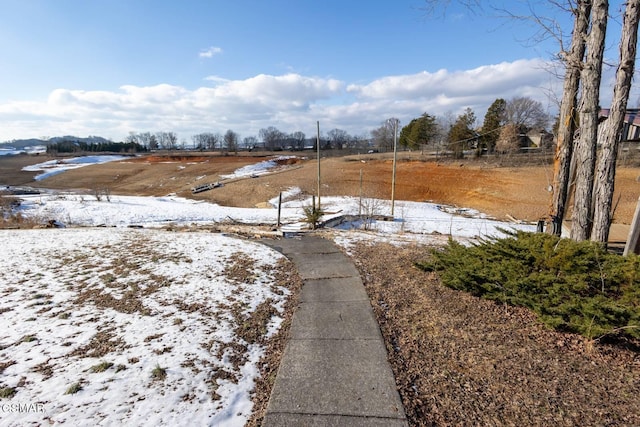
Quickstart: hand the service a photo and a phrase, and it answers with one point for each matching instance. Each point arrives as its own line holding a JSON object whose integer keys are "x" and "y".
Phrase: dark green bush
{"x": 572, "y": 286}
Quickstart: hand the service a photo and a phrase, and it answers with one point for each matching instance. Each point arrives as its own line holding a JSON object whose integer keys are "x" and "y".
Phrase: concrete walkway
{"x": 334, "y": 371}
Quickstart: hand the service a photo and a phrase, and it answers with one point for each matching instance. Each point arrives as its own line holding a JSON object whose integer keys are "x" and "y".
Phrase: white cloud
{"x": 290, "y": 102}
{"x": 485, "y": 79}
{"x": 210, "y": 52}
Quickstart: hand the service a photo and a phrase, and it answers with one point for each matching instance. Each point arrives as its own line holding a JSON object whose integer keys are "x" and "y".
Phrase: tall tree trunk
{"x": 564, "y": 141}
{"x": 585, "y": 151}
{"x": 611, "y": 134}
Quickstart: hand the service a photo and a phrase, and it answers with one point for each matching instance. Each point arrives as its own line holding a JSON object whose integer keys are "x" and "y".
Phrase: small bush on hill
{"x": 572, "y": 286}
{"x": 312, "y": 216}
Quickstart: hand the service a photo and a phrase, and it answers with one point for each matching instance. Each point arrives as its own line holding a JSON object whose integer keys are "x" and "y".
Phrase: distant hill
{"x": 21, "y": 144}
{"x": 88, "y": 140}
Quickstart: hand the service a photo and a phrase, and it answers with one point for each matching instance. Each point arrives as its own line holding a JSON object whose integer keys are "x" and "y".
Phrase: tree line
{"x": 77, "y": 146}
{"x": 503, "y": 126}
{"x": 504, "y": 129}
{"x": 269, "y": 138}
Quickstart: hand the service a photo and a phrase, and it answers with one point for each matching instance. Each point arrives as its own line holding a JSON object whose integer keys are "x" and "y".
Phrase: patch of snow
{"x": 256, "y": 169}
{"x": 291, "y": 193}
{"x": 54, "y": 167}
{"x": 34, "y": 149}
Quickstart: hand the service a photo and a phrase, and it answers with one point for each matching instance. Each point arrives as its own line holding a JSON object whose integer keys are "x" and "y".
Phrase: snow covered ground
{"x": 125, "y": 326}
{"x": 142, "y": 322}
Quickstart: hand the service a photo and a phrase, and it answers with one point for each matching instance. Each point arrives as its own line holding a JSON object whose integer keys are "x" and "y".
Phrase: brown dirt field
{"x": 519, "y": 192}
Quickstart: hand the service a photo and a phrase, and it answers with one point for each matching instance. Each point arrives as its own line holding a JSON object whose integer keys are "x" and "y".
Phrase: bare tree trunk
{"x": 585, "y": 151}
{"x": 611, "y": 134}
{"x": 564, "y": 141}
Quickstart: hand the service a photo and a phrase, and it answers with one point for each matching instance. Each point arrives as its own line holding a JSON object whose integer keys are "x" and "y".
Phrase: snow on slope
{"x": 54, "y": 167}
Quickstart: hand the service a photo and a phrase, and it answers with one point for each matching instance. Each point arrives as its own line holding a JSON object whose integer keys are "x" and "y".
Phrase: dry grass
{"x": 286, "y": 275}
{"x": 460, "y": 360}
{"x": 10, "y": 218}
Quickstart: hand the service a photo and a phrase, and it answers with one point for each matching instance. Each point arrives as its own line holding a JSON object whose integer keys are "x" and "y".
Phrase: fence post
{"x": 279, "y": 208}
{"x": 631, "y": 246}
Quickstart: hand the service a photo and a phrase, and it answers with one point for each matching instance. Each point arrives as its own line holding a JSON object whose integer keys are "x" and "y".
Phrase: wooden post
{"x": 279, "y": 208}
{"x": 360, "y": 203}
{"x": 318, "y": 150}
{"x": 631, "y": 247}
{"x": 395, "y": 155}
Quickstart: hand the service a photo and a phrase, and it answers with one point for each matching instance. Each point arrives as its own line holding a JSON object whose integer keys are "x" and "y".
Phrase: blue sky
{"x": 112, "y": 67}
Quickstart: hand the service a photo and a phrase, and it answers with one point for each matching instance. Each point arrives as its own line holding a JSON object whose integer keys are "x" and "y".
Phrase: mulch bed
{"x": 461, "y": 360}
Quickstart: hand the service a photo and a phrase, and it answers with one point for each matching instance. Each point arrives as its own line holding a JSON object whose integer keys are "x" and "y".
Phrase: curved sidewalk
{"x": 334, "y": 371}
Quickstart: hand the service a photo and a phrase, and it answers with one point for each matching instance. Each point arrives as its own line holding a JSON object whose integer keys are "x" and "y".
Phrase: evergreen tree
{"x": 508, "y": 141}
{"x": 461, "y": 134}
{"x": 419, "y": 131}
{"x": 493, "y": 121}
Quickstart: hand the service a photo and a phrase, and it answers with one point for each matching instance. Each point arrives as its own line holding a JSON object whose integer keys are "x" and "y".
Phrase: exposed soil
{"x": 501, "y": 191}
{"x": 461, "y": 360}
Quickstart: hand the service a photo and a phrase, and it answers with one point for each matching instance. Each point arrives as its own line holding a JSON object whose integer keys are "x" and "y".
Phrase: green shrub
{"x": 312, "y": 216}
{"x": 572, "y": 286}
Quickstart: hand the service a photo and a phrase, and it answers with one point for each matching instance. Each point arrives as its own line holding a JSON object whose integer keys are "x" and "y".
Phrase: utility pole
{"x": 360, "y": 203}
{"x": 395, "y": 155}
{"x": 318, "y": 154}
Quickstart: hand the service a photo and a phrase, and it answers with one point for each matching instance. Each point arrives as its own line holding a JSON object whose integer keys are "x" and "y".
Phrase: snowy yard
{"x": 129, "y": 326}
{"x": 147, "y": 325}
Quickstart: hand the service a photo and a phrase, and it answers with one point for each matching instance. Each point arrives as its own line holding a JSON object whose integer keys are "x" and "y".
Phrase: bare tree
{"x": 567, "y": 120}
{"x": 359, "y": 141}
{"x": 213, "y": 140}
{"x": 132, "y": 138}
{"x": 526, "y": 113}
{"x": 199, "y": 141}
{"x": 337, "y": 138}
{"x": 250, "y": 142}
{"x": 383, "y": 136}
{"x": 144, "y": 138}
{"x": 585, "y": 150}
{"x": 611, "y": 134}
{"x": 167, "y": 140}
{"x": 299, "y": 138}
{"x": 431, "y": 6}
{"x": 231, "y": 141}
{"x": 271, "y": 137}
